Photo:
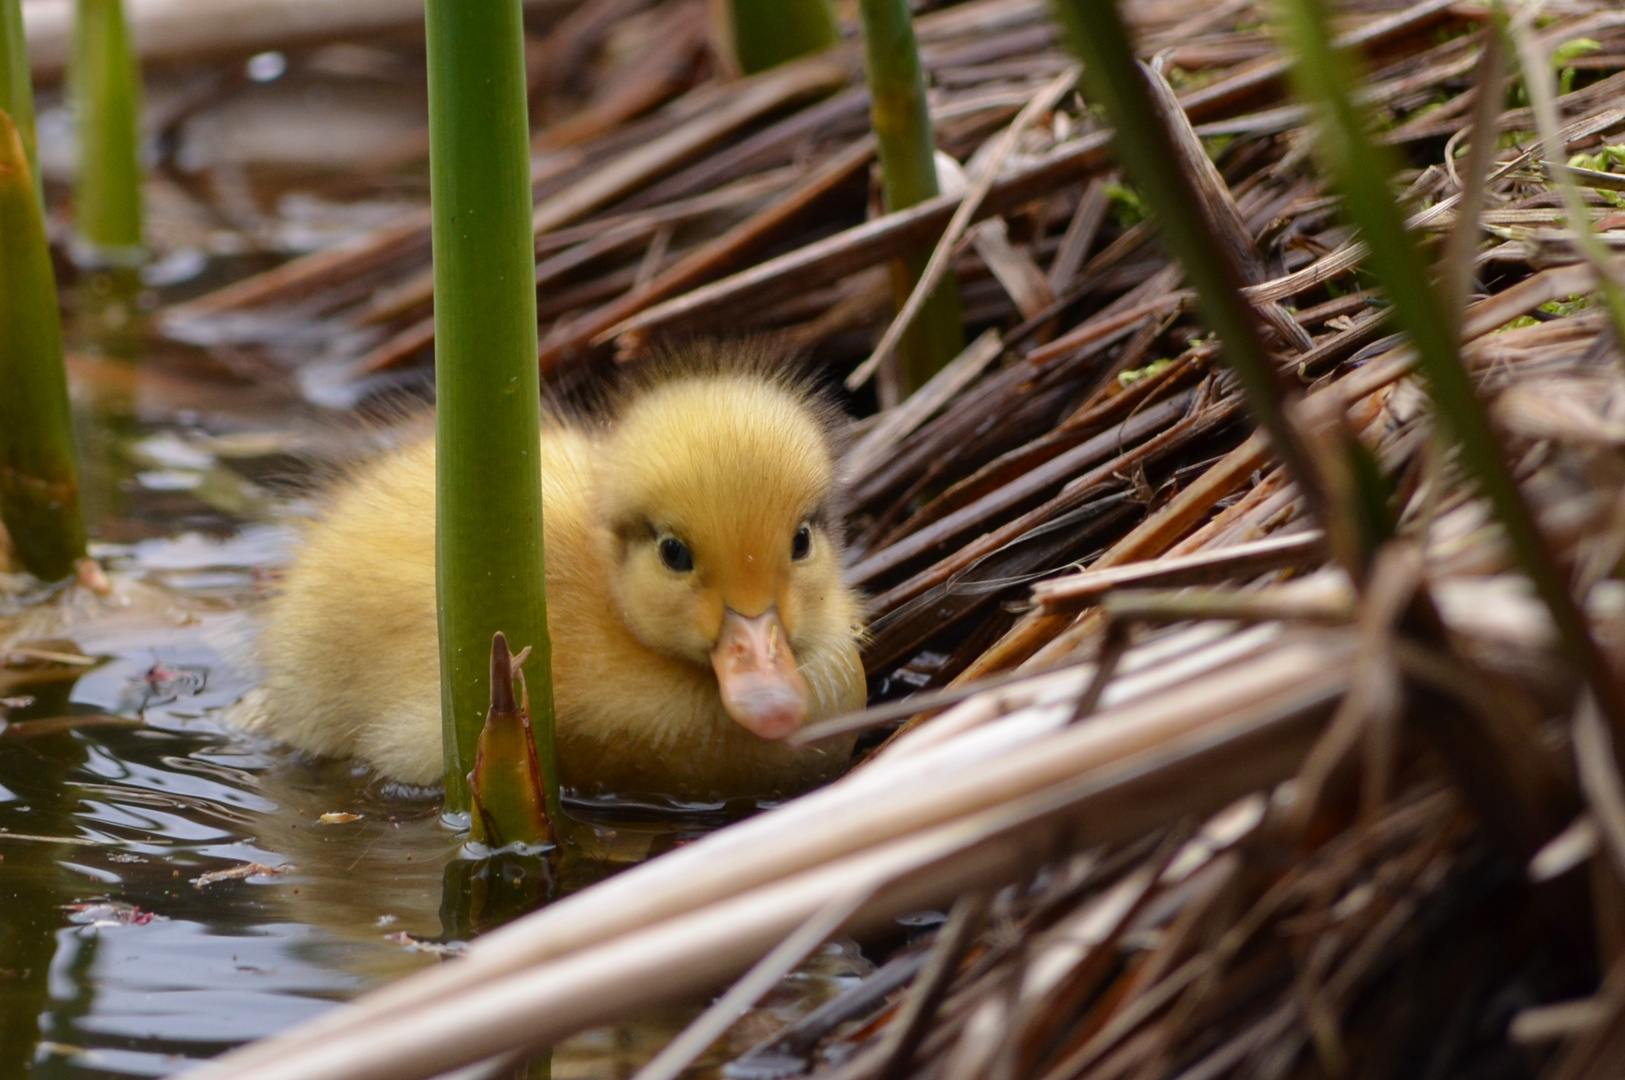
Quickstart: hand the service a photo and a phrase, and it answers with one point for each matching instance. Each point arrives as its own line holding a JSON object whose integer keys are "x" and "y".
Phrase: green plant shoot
{"x": 508, "y": 788}
{"x": 908, "y": 175}
{"x": 39, "y": 475}
{"x": 17, "y": 84}
{"x": 765, "y": 33}
{"x": 107, "y": 96}
{"x": 489, "y": 561}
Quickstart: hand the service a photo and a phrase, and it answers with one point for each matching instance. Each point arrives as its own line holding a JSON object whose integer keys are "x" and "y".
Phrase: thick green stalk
{"x": 39, "y": 476}
{"x": 908, "y": 175}
{"x": 1147, "y": 153}
{"x": 488, "y": 551}
{"x": 766, "y": 33}
{"x": 107, "y": 97}
{"x": 1364, "y": 172}
{"x": 17, "y": 84}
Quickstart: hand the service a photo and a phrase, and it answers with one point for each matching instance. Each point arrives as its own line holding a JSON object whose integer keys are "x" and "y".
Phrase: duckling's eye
{"x": 675, "y": 554}
{"x": 801, "y": 543}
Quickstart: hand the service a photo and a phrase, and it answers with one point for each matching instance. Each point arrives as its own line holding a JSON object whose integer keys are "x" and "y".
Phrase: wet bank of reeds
{"x": 1196, "y": 801}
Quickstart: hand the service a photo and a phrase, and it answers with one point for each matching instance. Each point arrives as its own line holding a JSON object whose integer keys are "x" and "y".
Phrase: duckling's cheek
{"x": 814, "y": 604}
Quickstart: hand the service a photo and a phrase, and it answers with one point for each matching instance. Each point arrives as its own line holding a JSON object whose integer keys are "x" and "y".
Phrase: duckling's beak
{"x": 761, "y": 686}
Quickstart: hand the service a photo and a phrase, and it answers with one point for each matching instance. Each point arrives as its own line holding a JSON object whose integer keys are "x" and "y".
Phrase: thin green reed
{"x": 902, "y": 121}
{"x": 106, "y": 85}
{"x": 766, "y": 33}
{"x": 1364, "y": 173}
{"x": 1115, "y": 80}
{"x": 489, "y": 556}
{"x": 17, "y": 84}
{"x": 39, "y": 475}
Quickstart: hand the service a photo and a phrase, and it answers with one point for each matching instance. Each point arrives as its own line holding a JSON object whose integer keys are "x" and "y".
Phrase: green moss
{"x": 1217, "y": 145}
{"x": 1125, "y": 205}
{"x": 1565, "y": 54}
{"x": 1139, "y": 374}
{"x": 1565, "y": 308}
{"x": 1603, "y": 160}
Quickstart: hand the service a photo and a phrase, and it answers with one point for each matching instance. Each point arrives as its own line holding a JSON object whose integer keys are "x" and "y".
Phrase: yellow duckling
{"x": 695, "y": 601}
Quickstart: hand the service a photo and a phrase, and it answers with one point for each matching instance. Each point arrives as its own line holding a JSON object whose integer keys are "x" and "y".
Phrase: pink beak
{"x": 761, "y": 687}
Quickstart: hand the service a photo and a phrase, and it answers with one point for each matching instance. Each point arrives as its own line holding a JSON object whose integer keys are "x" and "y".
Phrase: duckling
{"x": 695, "y": 600}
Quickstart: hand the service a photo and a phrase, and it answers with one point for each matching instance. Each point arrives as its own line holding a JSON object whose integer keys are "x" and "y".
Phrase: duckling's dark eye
{"x": 675, "y": 554}
{"x": 801, "y": 543}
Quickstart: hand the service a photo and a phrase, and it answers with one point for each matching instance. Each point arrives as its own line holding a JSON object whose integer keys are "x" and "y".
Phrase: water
{"x": 168, "y": 885}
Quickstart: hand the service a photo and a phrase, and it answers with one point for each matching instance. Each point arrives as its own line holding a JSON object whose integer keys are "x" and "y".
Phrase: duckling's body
{"x": 698, "y": 517}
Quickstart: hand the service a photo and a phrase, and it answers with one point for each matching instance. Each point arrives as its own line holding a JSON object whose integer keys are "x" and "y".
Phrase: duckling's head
{"x": 715, "y": 492}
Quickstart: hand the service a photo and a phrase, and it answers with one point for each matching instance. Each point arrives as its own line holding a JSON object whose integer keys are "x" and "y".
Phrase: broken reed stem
{"x": 765, "y": 33}
{"x": 507, "y": 785}
{"x": 767, "y": 973}
{"x": 39, "y": 474}
{"x": 489, "y": 561}
{"x": 1115, "y": 80}
{"x": 1363, "y": 173}
{"x": 107, "y": 98}
{"x": 681, "y": 923}
{"x": 17, "y": 86}
{"x": 1537, "y": 81}
{"x": 908, "y": 176}
{"x": 942, "y": 255}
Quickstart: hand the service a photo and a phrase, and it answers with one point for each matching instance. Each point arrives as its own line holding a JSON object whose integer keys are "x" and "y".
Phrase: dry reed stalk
{"x": 866, "y": 245}
{"x": 704, "y": 263}
{"x": 664, "y": 69}
{"x": 1276, "y": 948}
{"x": 1292, "y": 682}
{"x": 970, "y": 201}
{"x": 1243, "y": 560}
{"x": 896, "y": 424}
{"x": 764, "y": 94}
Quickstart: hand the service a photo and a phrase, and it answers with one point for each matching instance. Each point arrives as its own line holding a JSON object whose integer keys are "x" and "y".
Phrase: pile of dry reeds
{"x": 1197, "y": 805}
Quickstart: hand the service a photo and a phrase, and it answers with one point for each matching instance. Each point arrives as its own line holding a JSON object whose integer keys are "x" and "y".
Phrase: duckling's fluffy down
{"x": 732, "y": 462}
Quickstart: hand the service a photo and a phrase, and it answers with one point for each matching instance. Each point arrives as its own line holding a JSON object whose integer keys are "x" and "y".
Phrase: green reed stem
{"x": 39, "y": 474}
{"x": 17, "y": 84}
{"x": 488, "y": 553}
{"x": 908, "y": 175}
{"x": 1364, "y": 173}
{"x": 766, "y": 33}
{"x": 1142, "y": 144}
{"x": 107, "y": 96}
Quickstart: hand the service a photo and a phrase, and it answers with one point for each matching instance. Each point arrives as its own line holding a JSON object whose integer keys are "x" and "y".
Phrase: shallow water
{"x": 168, "y": 886}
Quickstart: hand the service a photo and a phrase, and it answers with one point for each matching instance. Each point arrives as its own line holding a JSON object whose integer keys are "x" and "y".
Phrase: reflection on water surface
{"x": 168, "y": 887}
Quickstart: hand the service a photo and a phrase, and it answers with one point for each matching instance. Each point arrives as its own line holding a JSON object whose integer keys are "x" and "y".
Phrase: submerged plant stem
{"x": 39, "y": 476}
{"x": 908, "y": 175}
{"x": 489, "y": 560}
